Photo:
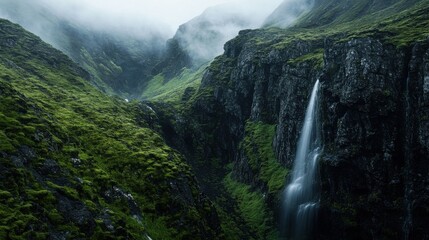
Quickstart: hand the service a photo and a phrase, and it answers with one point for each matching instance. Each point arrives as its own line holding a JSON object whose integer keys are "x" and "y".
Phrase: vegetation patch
{"x": 315, "y": 57}
{"x": 258, "y": 148}
{"x": 252, "y": 207}
{"x": 159, "y": 89}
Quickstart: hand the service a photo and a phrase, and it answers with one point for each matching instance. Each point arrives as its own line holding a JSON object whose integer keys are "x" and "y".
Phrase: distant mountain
{"x": 204, "y": 36}
{"x": 202, "y": 39}
{"x": 118, "y": 63}
{"x": 287, "y": 13}
{"x": 124, "y": 63}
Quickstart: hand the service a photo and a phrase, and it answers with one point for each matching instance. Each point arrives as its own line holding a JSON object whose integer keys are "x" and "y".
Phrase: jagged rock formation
{"x": 374, "y": 105}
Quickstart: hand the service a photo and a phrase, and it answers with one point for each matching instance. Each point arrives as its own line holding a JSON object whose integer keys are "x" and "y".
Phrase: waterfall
{"x": 301, "y": 196}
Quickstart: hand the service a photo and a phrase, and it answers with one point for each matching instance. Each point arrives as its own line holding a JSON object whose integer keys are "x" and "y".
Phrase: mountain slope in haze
{"x": 199, "y": 41}
{"x": 327, "y": 12}
{"x": 287, "y": 13}
{"x": 203, "y": 37}
{"x": 372, "y": 58}
{"x": 120, "y": 65}
{"x": 76, "y": 163}
{"x": 119, "y": 62}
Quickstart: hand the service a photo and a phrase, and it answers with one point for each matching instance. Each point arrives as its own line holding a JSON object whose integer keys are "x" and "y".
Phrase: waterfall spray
{"x": 301, "y": 196}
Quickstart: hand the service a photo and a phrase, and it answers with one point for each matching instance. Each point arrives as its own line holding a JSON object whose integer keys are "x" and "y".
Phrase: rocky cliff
{"x": 374, "y": 169}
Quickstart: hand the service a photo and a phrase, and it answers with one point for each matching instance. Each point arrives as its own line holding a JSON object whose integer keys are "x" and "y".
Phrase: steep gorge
{"x": 213, "y": 164}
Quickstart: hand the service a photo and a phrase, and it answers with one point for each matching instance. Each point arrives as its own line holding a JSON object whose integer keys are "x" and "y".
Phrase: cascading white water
{"x": 301, "y": 196}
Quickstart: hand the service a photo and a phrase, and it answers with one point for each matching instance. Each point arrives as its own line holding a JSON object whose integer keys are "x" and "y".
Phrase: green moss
{"x": 229, "y": 225}
{"x": 159, "y": 89}
{"x": 221, "y": 68}
{"x": 252, "y": 207}
{"x": 5, "y": 144}
{"x": 55, "y": 217}
{"x": 5, "y": 195}
{"x": 99, "y": 143}
{"x": 258, "y": 147}
{"x": 401, "y": 24}
{"x": 43, "y": 195}
{"x": 315, "y": 57}
{"x": 70, "y": 192}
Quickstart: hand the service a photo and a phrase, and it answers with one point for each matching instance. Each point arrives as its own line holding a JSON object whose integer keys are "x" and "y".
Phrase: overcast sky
{"x": 164, "y": 13}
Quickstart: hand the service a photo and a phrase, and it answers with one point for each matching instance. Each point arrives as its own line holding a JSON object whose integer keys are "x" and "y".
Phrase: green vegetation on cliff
{"x": 258, "y": 148}
{"x": 252, "y": 208}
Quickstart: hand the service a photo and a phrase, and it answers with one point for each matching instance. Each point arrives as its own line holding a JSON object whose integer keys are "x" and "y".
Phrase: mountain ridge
{"x": 211, "y": 160}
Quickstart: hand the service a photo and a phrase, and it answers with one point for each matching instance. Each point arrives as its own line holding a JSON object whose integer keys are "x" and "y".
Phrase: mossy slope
{"x": 76, "y": 163}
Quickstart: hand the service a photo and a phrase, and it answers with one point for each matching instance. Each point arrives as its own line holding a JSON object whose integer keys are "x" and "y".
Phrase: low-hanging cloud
{"x": 131, "y": 16}
{"x": 286, "y": 14}
{"x": 150, "y": 23}
{"x": 204, "y": 36}
{"x": 135, "y": 17}
{"x": 150, "y": 20}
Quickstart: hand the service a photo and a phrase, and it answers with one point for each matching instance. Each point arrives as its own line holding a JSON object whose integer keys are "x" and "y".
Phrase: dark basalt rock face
{"x": 374, "y": 169}
{"x": 374, "y": 108}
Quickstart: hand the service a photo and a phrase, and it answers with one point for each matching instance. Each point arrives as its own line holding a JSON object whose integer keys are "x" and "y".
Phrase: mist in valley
{"x": 204, "y": 26}
{"x": 124, "y": 44}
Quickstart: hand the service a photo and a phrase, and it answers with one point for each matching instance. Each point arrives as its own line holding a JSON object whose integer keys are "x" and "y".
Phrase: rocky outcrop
{"x": 374, "y": 109}
{"x": 262, "y": 86}
{"x": 373, "y": 162}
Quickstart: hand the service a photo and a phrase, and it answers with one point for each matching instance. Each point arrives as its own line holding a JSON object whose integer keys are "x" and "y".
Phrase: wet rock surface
{"x": 374, "y": 109}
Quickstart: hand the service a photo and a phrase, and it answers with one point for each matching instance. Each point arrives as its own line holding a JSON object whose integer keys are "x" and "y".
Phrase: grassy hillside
{"x": 180, "y": 87}
{"x": 396, "y": 22}
{"x": 330, "y": 12}
{"x": 76, "y": 163}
